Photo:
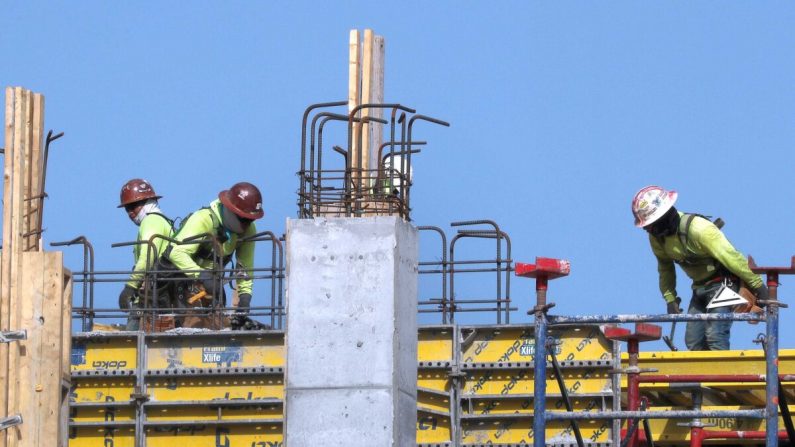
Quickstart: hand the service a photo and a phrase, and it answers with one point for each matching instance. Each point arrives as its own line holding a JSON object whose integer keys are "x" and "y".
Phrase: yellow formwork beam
{"x": 520, "y": 431}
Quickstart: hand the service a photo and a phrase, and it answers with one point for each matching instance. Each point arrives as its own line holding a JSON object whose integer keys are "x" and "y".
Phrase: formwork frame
{"x": 543, "y": 322}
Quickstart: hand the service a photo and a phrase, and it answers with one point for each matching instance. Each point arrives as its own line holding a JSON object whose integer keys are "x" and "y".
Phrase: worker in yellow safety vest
{"x": 228, "y": 221}
{"x": 140, "y": 202}
{"x": 705, "y": 255}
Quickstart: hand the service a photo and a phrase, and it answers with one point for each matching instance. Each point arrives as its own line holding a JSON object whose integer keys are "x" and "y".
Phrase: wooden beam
{"x": 41, "y": 355}
{"x": 367, "y": 78}
{"x": 377, "y": 96}
{"x": 66, "y": 353}
{"x": 354, "y": 90}
{"x": 5, "y": 301}
{"x": 22, "y": 121}
{"x": 27, "y": 367}
{"x": 35, "y": 166}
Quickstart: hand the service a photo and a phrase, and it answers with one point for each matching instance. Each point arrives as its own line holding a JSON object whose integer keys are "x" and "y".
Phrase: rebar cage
{"x": 381, "y": 186}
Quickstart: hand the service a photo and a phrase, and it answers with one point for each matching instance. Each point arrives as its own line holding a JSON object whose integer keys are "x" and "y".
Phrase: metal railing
{"x": 156, "y": 279}
{"x": 637, "y": 411}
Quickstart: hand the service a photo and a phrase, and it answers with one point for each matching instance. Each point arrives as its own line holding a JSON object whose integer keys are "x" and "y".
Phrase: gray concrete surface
{"x": 351, "y": 337}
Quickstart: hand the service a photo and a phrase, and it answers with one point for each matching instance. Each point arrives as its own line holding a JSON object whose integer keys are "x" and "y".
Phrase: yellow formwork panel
{"x": 713, "y": 362}
{"x": 220, "y": 351}
{"x": 216, "y": 388}
{"x": 435, "y": 344}
{"x": 206, "y": 412}
{"x": 511, "y": 382}
{"x": 520, "y": 431}
{"x": 259, "y": 435}
{"x": 104, "y": 353}
{"x": 101, "y": 389}
{"x": 434, "y": 379}
{"x": 669, "y": 432}
{"x": 482, "y": 407}
{"x": 517, "y": 344}
{"x": 434, "y": 402}
{"x": 101, "y": 437}
{"x": 432, "y": 428}
{"x": 102, "y": 414}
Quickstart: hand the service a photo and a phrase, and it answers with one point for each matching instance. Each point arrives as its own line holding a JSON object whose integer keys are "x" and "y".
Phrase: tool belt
{"x": 712, "y": 286}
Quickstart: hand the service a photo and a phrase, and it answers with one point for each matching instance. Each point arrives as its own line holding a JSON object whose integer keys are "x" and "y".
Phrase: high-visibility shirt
{"x": 707, "y": 249}
{"x": 197, "y": 257}
{"x": 151, "y": 225}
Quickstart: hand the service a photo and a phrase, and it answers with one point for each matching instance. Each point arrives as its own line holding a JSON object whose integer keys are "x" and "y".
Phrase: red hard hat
{"x": 136, "y": 190}
{"x": 243, "y": 199}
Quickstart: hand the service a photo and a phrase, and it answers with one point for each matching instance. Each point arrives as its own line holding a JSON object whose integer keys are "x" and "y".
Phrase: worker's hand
{"x": 208, "y": 281}
{"x": 243, "y": 301}
{"x": 673, "y": 306}
{"x": 126, "y": 297}
{"x": 240, "y": 318}
{"x": 762, "y": 294}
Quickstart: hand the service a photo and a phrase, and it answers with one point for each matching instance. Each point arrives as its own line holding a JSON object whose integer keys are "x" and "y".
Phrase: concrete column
{"x": 351, "y": 373}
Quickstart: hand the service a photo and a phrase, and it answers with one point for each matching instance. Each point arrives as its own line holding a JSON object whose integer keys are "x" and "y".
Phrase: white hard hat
{"x": 650, "y": 203}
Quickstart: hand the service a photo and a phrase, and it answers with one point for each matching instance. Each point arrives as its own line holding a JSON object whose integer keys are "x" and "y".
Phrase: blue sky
{"x": 560, "y": 111}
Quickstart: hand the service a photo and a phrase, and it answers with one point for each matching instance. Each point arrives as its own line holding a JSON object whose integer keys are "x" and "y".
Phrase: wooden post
{"x": 40, "y": 362}
{"x": 377, "y": 97}
{"x": 34, "y": 190}
{"x": 13, "y": 248}
{"x": 5, "y": 299}
{"x": 354, "y": 91}
{"x": 33, "y": 296}
{"x": 367, "y": 78}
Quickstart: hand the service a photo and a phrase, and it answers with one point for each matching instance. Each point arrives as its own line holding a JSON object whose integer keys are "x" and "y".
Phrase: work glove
{"x": 762, "y": 294}
{"x": 240, "y": 318}
{"x": 126, "y": 297}
{"x": 207, "y": 281}
{"x": 673, "y": 306}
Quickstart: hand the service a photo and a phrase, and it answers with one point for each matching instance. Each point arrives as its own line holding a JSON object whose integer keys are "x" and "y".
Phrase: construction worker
{"x": 705, "y": 255}
{"x": 139, "y": 200}
{"x": 228, "y": 219}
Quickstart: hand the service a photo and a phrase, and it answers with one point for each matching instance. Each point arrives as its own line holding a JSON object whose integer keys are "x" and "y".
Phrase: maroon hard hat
{"x": 243, "y": 199}
{"x": 136, "y": 190}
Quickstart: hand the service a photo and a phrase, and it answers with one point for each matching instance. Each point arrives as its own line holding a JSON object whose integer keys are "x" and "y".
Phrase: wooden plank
{"x": 33, "y": 205}
{"x": 367, "y": 76}
{"x": 66, "y": 351}
{"x": 40, "y": 362}
{"x": 377, "y": 96}
{"x": 22, "y": 123}
{"x": 6, "y": 260}
{"x": 354, "y": 90}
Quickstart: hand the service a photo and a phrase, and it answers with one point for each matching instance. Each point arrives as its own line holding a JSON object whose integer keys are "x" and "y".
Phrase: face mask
{"x": 666, "y": 225}
{"x": 231, "y": 222}
{"x": 149, "y": 207}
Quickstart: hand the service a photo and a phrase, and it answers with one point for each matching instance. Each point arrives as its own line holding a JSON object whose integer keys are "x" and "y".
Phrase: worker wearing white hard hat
{"x": 705, "y": 255}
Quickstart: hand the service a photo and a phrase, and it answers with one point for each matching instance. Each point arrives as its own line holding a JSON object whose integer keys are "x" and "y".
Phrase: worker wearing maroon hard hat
{"x": 705, "y": 255}
{"x": 140, "y": 202}
{"x": 230, "y": 219}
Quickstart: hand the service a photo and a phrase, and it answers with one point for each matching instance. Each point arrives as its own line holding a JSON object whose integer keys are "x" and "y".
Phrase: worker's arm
{"x": 199, "y": 223}
{"x": 713, "y": 242}
{"x": 244, "y": 254}
{"x": 666, "y": 270}
{"x": 146, "y": 257}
